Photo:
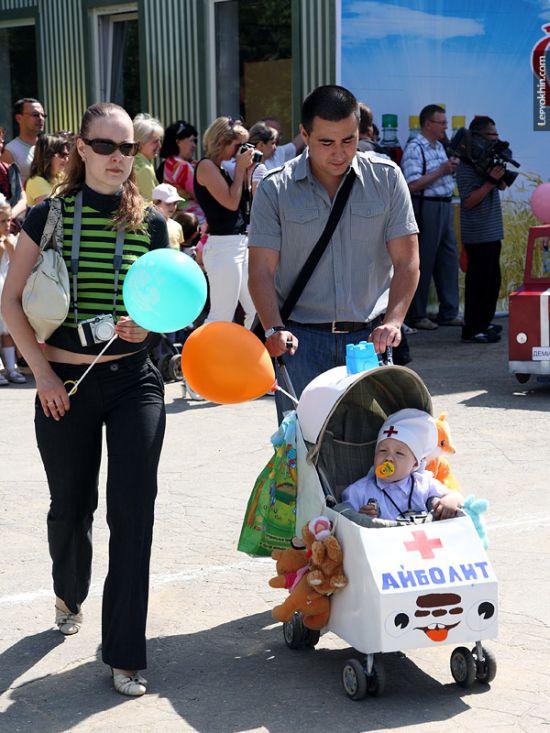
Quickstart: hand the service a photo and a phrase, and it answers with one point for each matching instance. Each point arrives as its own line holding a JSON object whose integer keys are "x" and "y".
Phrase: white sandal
{"x": 16, "y": 377}
{"x": 68, "y": 623}
{"x": 131, "y": 685}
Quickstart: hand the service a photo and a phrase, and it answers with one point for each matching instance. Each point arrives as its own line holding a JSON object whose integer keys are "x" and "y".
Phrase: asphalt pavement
{"x": 217, "y": 661}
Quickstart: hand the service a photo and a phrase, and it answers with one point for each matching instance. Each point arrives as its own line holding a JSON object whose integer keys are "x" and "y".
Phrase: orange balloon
{"x": 226, "y": 363}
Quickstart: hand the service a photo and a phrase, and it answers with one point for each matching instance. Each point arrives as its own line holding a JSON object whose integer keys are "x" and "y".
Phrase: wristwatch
{"x": 270, "y": 331}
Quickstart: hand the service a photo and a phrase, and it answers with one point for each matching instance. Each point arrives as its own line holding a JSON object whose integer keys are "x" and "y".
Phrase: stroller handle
{"x": 387, "y": 356}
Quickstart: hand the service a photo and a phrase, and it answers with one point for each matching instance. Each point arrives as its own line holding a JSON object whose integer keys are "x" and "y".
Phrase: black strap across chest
{"x": 409, "y": 502}
{"x": 318, "y": 250}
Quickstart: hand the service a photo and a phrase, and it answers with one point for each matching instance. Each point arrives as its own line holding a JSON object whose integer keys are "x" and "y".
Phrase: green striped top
{"x": 96, "y": 273}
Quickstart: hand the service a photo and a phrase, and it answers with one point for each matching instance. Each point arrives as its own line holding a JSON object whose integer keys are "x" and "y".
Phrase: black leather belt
{"x": 335, "y": 326}
{"x": 444, "y": 199}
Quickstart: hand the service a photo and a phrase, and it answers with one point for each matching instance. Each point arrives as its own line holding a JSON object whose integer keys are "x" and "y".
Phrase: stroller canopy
{"x": 382, "y": 390}
{"x": 340, "y": 416}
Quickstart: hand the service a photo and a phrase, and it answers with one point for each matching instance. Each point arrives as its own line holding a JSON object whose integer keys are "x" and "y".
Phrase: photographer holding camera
{"x": 479, "y": 178}
{"x": 225, "y": 202}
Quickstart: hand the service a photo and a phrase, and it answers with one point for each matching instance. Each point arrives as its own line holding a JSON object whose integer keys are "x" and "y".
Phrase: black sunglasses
{"x": 108, "y": 147}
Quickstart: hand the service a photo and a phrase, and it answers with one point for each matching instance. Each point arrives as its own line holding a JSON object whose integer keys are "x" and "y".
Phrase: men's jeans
{"x": 317, "y": 352}
{"x": 438, "y": 259}
{"x": 127, "y": 396}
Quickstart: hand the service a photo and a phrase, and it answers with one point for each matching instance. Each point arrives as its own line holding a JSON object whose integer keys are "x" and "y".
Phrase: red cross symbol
{"x": 423, "y": 545}
{"x": 390, "y": 431}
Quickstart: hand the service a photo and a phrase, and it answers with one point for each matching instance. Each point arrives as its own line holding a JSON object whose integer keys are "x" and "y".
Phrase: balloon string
{"x": 103, "y": 350}
{"x": 290, "y": 397}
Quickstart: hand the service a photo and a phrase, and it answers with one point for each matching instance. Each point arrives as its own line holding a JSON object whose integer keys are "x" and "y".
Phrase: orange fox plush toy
{"x": 437, "y": 462}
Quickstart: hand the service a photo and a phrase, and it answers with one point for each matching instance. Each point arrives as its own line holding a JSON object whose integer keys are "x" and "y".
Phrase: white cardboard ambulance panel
{"x": 413, "y": 586}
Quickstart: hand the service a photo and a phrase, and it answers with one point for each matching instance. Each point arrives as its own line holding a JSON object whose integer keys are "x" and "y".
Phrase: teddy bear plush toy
{"x": 290, "y": 565}
{"x": 326, "y": 573}
{"x": 294, "y": 571}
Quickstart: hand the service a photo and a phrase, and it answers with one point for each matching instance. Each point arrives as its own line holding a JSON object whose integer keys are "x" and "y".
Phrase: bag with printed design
{"x": 270, "y": 518}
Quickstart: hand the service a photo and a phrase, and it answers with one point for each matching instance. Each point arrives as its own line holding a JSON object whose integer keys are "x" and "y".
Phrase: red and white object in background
{"x": 529, "y": 311}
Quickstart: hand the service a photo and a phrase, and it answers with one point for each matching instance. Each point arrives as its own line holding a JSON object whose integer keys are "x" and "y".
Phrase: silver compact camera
{"x": 96, "y": 330}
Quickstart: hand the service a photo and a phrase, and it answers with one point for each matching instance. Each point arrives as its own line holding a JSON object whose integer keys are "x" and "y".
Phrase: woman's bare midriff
{"x": 62, "y": 356}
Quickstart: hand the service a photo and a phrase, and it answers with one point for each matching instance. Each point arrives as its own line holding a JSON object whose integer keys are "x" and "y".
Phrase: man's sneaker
{"x": 489, "y": 337}
{"x": 495, "y": 328}
{"x": 3, "y": 381}
{"x": 424, "y": 324}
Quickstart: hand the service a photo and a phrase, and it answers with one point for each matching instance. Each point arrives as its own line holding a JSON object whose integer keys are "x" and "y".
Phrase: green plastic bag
{"x": 270, "y": 518}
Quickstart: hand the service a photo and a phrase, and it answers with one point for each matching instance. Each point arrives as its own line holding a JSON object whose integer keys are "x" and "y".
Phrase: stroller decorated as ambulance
{"x": 417, "y": 583}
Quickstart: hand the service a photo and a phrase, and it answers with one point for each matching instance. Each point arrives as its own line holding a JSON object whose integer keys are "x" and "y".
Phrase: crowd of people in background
{"x": 207, "y": 202}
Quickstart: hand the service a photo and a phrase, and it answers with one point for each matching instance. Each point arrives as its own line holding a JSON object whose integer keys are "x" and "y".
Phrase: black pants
{"x": 482, "y": 286}
{"x": 127, "y": 396}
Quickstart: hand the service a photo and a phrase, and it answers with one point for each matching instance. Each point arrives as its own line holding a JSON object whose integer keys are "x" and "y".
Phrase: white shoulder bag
{"x": 46, "y": 295}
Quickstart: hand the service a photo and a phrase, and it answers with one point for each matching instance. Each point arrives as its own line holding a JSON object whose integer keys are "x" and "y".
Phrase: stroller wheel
{"x": 354, "y": 679}
{"x": 376, "y": 681}
{"x": 174, "y": 368}
{"x": 486, "y": 670}
{"x": 463, "y": 667}
{"x": 311, "y": 637}
{"x": 294, "y": 632}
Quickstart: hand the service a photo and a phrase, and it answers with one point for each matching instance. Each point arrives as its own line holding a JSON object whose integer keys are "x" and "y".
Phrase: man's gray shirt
{"x": 351, "y": 282}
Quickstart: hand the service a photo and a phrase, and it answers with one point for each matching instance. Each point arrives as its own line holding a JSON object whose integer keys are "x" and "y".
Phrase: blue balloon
{"x": 164, "y": 290}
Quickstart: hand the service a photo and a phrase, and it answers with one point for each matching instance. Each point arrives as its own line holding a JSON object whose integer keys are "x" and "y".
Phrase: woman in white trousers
{"x": 225, "y": 202}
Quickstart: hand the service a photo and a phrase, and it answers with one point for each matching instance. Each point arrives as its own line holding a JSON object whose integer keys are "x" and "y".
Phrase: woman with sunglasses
{"x": 225, "y": 201}
{"x": 50, "y": 158}
{"x": 106, "y": 227}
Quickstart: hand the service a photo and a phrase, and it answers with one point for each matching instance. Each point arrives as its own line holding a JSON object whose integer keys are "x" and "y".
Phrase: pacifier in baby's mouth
{"x": 385, "y": 469}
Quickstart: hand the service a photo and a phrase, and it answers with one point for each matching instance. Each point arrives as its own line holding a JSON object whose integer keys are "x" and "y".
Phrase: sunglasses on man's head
{"x": 108, "y": 147}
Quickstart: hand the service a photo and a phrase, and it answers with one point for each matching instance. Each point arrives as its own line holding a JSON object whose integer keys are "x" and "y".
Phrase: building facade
{"x": 176, "y": 59}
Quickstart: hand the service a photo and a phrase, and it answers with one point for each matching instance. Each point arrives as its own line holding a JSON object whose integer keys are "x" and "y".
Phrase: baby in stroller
{"x": 397, "y": 487}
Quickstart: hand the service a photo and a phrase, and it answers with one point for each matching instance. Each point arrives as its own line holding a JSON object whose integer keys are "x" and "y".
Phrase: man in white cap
{"x": 398, "y": 484}
{"x": 166, "y": 198}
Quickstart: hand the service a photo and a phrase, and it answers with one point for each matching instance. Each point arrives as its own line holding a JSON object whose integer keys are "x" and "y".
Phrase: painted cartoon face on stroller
{"x": 410, "y": 585}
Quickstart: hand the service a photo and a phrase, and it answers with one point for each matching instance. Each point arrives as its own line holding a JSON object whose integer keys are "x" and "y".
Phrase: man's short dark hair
{"x": 428, "y": 112}
{"x": 480, "y": 123}
{"x": 329, "y": 102}
{"x": 19, "y": 106}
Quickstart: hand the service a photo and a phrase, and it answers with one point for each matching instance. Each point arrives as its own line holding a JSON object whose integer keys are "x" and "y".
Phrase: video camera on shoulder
{"x": 257, "y": 157}
{"x": 483, "y": 154}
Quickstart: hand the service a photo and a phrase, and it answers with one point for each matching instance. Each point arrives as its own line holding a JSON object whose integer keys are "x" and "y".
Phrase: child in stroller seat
{"x": 398, "y": 487}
